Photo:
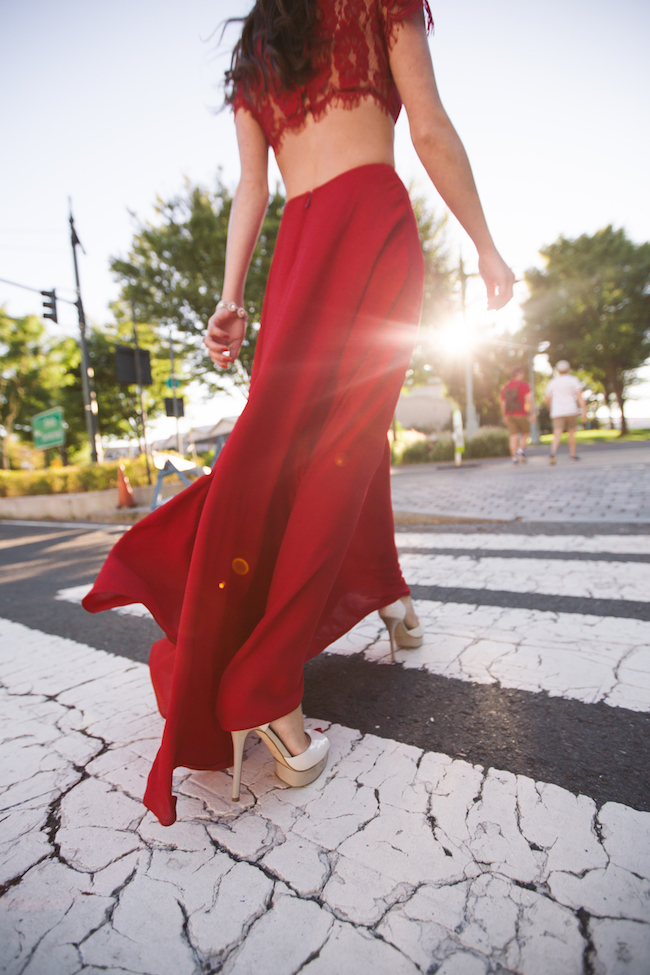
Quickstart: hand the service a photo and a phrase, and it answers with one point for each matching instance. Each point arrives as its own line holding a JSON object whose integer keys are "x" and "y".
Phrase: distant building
{"x": 211, "y": 437}
{"x": 424, "y": 408}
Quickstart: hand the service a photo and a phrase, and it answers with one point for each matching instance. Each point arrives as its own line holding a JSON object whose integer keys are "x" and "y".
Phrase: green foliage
{"x": 174, "y": 273}
{"x": 25, "y": 374}
{"x": 488, "y": 442}
{"x": 492, "y": 364}
{"x": 118, "y": 406}
{"x": 39, "y": 372}
{"x": 591, "y": 303}
{"x": 438, "y": 299}
{"x": 428, "y": 451}
{"x": 491, "y": 369}
{"x": 71, "y": 479}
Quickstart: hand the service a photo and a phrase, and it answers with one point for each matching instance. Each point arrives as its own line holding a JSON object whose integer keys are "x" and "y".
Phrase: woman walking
{"x": 290, "y": 542}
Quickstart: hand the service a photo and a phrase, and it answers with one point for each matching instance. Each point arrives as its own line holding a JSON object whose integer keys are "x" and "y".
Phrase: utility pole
{"x": 471, "y": 419}
{"x": 177, "y": 410}
{"x": 87, "y": 372}
{"x": 138, "y": 376}
{"x": 534, "y": 426}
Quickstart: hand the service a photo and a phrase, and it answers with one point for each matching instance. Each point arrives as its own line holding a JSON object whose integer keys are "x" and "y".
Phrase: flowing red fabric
{"x": 257, "y": 567}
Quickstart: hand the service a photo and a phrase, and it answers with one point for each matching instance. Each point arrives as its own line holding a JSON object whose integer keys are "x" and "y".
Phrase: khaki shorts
{"x": 517, "y": 424}
{"x": 562, "y": 423}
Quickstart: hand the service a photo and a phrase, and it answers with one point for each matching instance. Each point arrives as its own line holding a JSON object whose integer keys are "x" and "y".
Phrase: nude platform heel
{"x": 295, "y": 770}
{"x": 393, "y": 616}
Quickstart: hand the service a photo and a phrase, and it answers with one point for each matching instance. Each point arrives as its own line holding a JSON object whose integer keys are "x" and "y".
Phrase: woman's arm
{"x": 442, "y": 154}
{"x": 226, "y": 330}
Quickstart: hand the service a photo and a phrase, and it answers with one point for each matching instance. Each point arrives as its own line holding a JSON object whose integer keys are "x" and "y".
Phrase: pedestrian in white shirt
{"x": 565, "y": 401}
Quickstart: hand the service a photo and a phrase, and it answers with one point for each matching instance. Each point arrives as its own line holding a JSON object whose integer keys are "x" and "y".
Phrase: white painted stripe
{"x": 611, "y": 544}
{"x": 391, "y": 838}
{"x": 591, "y": 580}
{"x": 85, "y": 525}
{"x": 583, "y": 658}
{"x": 74, "y": 594}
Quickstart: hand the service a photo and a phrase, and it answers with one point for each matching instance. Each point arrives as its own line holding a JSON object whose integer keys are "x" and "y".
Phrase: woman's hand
{"x": 498, "y": 279}
{"x": 224, "y": 337}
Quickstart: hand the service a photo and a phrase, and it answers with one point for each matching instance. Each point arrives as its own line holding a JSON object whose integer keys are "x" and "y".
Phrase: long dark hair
{"x": 276, "y": 45}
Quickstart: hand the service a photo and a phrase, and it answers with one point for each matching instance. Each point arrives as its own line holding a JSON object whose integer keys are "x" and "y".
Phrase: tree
{"x": 174, "y": 273}
{"x": 439, "y": 300}
{"x": 591, "y": 303}
{"x": 24, "y": 374}
{"x": 492, "y": 367}
{"x": 38, "y": 373}
{"x": 118, "y": 409}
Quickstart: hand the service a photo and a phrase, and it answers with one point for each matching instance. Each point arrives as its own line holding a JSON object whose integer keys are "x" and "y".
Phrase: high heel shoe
{"x": 393, "y": 616}
{"x": 295, "y": 770}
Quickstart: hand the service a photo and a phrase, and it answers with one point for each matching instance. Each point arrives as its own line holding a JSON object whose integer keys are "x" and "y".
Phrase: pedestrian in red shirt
{"x": 517, "y": 411}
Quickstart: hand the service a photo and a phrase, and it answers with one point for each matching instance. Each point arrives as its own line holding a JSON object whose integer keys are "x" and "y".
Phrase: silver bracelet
{"x": 231, "y": 306}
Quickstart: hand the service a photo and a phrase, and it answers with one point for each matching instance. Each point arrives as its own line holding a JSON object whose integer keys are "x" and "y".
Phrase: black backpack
{"x": 511, "y": 397}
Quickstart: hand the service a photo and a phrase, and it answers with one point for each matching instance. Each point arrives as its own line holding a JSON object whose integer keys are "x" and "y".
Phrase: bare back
{"x": 343, "y": 139}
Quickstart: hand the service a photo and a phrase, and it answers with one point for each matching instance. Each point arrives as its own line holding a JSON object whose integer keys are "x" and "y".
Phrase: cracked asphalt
{"x": 486, "y": 806}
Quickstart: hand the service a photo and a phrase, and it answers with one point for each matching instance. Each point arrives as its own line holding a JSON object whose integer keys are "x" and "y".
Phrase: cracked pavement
{"x": 403, "y": 857}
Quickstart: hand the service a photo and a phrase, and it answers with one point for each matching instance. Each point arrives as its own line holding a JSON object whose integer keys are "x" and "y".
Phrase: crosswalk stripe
{"x": 597, "y": 580}
{"x": 484, "y": 541}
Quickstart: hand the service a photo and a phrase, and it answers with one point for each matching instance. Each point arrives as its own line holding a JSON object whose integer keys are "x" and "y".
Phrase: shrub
{"x": 426, "y": 451}
{"x": 71, "y": 479}
{"x": 488, "y": 442}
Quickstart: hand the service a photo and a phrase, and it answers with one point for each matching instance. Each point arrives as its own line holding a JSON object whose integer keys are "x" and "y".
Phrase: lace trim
{"x": 351, "y": 66}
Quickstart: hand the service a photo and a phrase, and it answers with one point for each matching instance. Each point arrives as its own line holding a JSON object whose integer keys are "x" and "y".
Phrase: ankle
{"x": 290, "y": 729}
{"x": 410, "y": 620}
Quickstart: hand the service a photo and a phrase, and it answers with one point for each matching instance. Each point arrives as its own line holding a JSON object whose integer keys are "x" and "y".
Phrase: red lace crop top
{"x": 350, "y": 63}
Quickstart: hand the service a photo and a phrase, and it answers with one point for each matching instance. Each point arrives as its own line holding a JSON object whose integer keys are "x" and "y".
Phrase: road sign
{"x": 47, "y": 429}
{"x": 172, "y": 383}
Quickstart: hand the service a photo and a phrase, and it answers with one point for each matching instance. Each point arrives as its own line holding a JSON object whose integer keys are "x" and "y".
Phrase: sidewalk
{"x": 611, "y": 482}
{"x": 400, "y": 860}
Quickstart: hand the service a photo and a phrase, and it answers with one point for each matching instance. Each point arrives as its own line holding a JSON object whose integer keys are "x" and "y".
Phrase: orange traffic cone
{"x": 125, "y": 497}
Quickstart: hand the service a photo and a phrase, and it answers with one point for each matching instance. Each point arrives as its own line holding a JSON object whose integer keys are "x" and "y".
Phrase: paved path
{"x": 610, "y": 482}
{"x": 485, "y": 811}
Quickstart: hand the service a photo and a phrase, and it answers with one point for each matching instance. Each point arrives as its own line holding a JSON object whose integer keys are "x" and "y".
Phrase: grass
{"x": 599, "y": 436}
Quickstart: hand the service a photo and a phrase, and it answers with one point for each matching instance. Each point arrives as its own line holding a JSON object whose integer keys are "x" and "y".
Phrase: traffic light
{"x": 50, "y": 305}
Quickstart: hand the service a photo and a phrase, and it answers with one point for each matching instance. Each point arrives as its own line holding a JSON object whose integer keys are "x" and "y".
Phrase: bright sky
{"x": 111, "y": 104}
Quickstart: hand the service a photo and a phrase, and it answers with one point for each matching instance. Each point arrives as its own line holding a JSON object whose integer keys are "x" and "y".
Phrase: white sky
{"x": 111, "y": 103}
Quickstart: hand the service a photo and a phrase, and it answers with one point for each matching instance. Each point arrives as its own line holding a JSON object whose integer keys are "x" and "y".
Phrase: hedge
{"x": 488, "y": 442}
{"x": 70, "y": 480}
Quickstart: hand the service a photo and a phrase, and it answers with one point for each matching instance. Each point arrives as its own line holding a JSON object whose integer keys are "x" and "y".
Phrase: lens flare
{"x": 240, "y": 566}
{"x": 455, "y": 339}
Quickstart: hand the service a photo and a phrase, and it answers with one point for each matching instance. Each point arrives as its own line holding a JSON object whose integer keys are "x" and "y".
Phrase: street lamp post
{"x": 471, "y": 418}
{"x": 534, "y": 426}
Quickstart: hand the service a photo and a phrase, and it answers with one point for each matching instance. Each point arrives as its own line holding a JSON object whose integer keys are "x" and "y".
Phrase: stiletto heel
{"x": 295, "y": 770}
{"x": 393, "y": 616}
{"x": 238, "y": 742}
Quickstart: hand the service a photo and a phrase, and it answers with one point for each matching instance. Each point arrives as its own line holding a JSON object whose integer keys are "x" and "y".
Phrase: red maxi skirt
{"x": 257, "y": 567}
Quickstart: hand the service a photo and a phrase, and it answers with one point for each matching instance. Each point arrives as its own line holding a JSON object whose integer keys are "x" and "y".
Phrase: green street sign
{"x": 47, "y": 429}
{"x": 172, "y": 383}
